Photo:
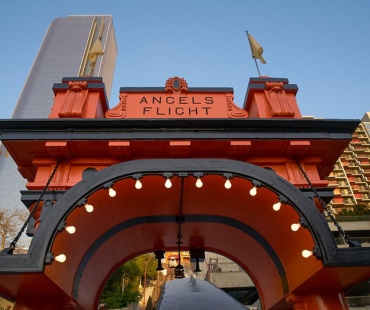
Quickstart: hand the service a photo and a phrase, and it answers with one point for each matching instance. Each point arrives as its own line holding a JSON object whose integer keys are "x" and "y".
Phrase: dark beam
{"x": 143, "y": 129}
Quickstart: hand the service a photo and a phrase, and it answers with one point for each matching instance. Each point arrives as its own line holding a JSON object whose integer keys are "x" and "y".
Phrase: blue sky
{"x": 322, "y": 46}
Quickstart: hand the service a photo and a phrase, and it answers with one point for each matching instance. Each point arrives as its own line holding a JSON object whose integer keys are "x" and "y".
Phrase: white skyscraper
{"x": 67, "y": 50}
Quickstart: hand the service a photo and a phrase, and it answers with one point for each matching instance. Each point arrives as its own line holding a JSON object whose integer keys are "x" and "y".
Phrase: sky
{"x": 321, "y": 46}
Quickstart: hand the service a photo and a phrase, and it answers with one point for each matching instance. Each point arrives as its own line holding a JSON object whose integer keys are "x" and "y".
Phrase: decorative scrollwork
{"x": 119, "y": 111}
{"x": 176, "y": 84}
{"x": 278, "y": 103}
{"x": 74, "y": 103}
{"x": 232, "y": 109}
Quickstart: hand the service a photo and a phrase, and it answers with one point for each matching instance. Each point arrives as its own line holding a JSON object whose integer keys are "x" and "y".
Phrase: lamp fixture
{"x": 197, "y": 269}
{"x": 198, "y": 183}
{"x": 179, "y": 271}
{"x": 138, "y": 184}
{"x": 253, "y": 191}
{"x": 314, "y": 252}
{"x": 228, "y": 176}
{"x": 111, "y": 192}
{"x": 159, "y": 255}
{"x": 276, "y": 206}
{"x": 61, "y": 258}
{"x": 197, "y": 255}
{"x": 307, "y": 253}
{"x": 89, "y": 208}
{"x": 282, "y": 200}
{"x": 168, "y": 183}
{"x": 70, "y": 229}
{"x": 296, "y": 226}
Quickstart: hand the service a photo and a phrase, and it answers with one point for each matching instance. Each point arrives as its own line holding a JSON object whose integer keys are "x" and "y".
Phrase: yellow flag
{"x": 256, "y": 49}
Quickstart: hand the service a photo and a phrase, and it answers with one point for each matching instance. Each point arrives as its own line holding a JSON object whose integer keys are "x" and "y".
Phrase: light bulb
{"x": 112, "y": 192}
{"x": 60, "y": 258}
{"x": 199, "y": 183}
{"x": 253, "y": 191}
{"x": 228, "y": 184}
{"x": 89, "y": 208}
{"x": 168, "y": 183}
{"x": 307, "y": 253}
{"x": 70, "y": 229}
{"x": 277, "y": 206}
{"x": 138, "y": 184}
{"x": 295, "y": 226}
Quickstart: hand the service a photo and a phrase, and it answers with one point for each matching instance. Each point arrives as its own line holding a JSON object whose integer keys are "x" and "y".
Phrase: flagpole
{"x": 259, "y": 74}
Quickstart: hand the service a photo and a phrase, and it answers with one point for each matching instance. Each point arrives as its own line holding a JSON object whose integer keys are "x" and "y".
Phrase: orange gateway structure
{"x": 178, "y": 165}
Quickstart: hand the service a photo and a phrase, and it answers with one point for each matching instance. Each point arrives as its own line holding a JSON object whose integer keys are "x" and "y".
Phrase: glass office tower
{"x": 64, "y": 52}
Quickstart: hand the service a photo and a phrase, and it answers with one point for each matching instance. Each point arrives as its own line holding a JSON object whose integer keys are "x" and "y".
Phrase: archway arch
{"x": 228, "y": 221}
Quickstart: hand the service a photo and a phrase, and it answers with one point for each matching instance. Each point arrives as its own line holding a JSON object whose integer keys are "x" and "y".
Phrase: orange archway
{"x": 228, "y": 221}
{"x": 214, "y": 218}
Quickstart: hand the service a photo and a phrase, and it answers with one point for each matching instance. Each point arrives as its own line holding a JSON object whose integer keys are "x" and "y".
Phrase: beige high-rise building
{"x": 351, "y": 174}
{"x": 68, "y": 50}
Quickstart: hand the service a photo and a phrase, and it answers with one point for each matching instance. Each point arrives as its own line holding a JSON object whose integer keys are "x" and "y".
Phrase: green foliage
{"x": 359, "y": 209}
{"x": 116, "y": 300}
{"x": 122, "y": 288}
{"x": 151, "y": 273}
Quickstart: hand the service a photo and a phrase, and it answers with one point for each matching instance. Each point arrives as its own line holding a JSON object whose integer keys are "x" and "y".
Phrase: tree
{"x": 151, "y": 273}
{"x": 10, "y": 222}
{"x": 358, "y": 210}
{"x": 122, "y": 288}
